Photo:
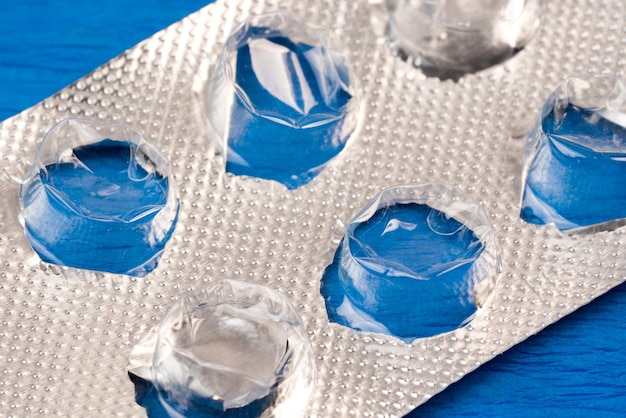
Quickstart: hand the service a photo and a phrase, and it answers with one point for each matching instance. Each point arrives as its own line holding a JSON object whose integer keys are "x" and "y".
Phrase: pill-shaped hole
{"x": 281, "y": 102}
{"x": 233, "y": 349}
{"x": 416, "y": 261}
{"x": 575, "y": 160}
{"x": 98, "y": 196}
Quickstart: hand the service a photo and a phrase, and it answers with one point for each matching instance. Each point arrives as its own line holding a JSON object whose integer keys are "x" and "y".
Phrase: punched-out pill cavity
{"x": 98, "y": 196}
{"x": 234, "y": 348}
{"x": 575, "y": 157}
{"x": 281, "y": 102}
{"x": 415, "y": 262}
{"x": 450, "y": 38}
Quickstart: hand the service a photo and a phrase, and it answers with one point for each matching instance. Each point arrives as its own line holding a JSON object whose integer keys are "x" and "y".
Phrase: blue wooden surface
{"x": 47, "y": 44}
{"x": 573, "y": 368}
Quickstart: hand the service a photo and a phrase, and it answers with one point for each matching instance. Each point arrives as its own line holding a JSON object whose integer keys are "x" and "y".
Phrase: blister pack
{"x": 191, "y": 242}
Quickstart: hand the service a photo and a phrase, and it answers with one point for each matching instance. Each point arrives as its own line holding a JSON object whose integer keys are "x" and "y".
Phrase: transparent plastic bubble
{"x": 575, "y": 162}
{"x": 449, "y": 38}
{"x": 233, "y": 348}
{"x": 416, "y": 261}
{"x": 281, "y": 102}
{"x": 98, "y": 196}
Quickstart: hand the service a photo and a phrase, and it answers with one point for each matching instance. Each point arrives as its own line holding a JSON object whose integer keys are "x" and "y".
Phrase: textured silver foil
{"x": 66, "y": 334}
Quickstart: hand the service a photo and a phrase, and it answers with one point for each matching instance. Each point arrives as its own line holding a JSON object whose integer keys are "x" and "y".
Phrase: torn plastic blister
{"x": 450, "y": 38}
{"x": 576, "y": 157}
{"x": 410, "y": 129}
{"x": 231, "y": 347}
{"x": 102, "y": 188}
{"x": 281, "y": 103}
{"x": 415, "y": 262}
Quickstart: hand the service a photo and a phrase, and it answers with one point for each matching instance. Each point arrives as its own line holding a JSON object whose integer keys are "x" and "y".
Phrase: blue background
{"x": 573, "y": 368}
{"x": 46, "y": 45}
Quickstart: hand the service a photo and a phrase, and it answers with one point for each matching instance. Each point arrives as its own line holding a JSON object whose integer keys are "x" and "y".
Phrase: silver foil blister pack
{"x": 67, "y": 334}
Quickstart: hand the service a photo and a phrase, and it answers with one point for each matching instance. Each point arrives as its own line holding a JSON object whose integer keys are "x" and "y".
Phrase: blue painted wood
{"x": 47, "y": 44}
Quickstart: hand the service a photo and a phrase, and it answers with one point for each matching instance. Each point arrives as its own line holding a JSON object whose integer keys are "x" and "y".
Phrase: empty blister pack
{"x": 70, "y": 331}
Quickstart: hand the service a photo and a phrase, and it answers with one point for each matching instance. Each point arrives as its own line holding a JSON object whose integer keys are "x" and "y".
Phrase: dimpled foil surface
{"x": 66, "y": 334}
